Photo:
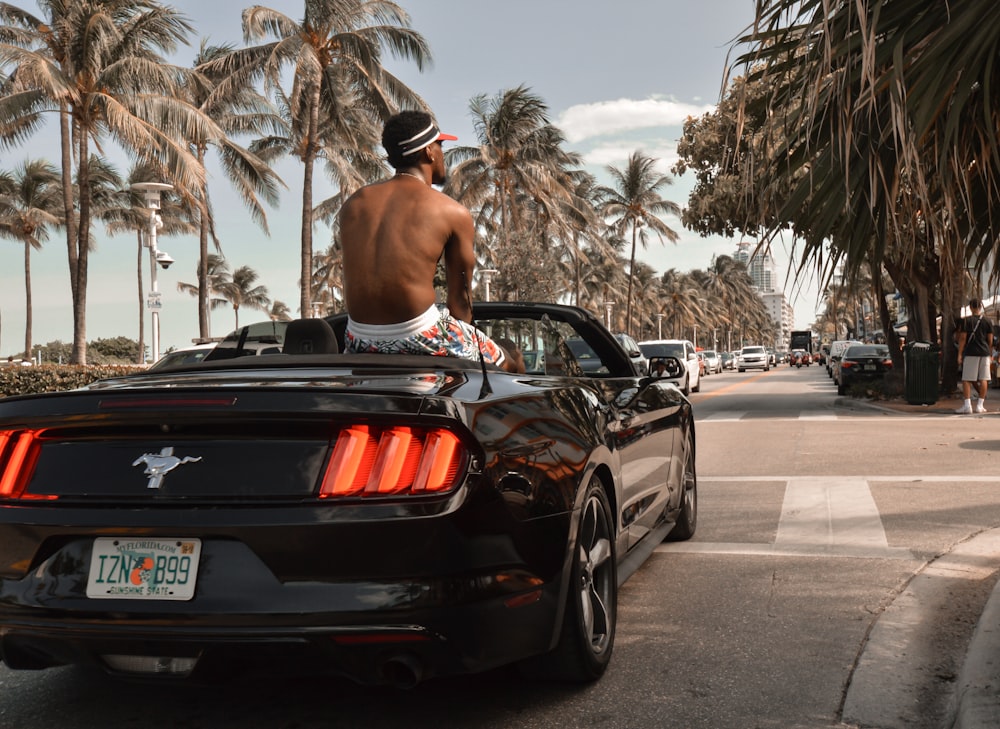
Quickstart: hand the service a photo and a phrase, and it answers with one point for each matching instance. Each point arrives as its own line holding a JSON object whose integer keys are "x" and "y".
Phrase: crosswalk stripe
{"x": 830, "y": 512}
{"x": 829, "y": 516}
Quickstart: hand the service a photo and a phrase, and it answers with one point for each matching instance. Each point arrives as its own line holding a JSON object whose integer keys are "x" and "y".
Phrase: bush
{"x": 17, "y": 380}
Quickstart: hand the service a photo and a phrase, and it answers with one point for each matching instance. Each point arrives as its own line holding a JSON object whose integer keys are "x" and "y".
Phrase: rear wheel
{"x": 687, "y": 520}
{"x": 588, "y": 629}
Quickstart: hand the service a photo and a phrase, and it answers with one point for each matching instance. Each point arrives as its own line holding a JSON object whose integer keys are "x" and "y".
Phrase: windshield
{"x": 753, "y": 350}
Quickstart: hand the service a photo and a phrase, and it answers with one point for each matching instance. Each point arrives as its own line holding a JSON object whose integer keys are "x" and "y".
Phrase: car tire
{"x": 742, "y": 370}
{"x": 687, "y": 386}
{"x": 687, "y": 519}
{"x": 841, "y": 389}
{"x": 697, "y": 388}
{"x": 587, "y": 636}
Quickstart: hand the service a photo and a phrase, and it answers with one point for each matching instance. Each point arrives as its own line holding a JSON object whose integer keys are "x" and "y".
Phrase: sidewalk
{"x": 946, "y": 405}
{"x": 977, "y": 690}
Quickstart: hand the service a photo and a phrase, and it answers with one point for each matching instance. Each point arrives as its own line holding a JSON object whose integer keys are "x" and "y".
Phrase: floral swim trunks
{"x": 435, "y": 332}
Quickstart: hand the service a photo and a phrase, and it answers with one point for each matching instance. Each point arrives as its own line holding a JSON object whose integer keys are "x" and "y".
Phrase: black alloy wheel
{"x": 687, "y": 520}
{"x": 588, "y": 629}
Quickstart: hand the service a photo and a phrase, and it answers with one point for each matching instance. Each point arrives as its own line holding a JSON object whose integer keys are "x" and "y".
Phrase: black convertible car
{"x": 386, "y": 518}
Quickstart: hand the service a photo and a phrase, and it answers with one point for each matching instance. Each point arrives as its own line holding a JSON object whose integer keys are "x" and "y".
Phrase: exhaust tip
{"x": 402, "y": 671}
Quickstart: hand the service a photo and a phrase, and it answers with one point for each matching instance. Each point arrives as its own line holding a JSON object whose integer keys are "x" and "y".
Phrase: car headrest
{"x": 310, "y": 336}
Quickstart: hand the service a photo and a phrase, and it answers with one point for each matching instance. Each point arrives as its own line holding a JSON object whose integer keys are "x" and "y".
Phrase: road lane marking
{"x": 817, "y": 415}
{"x": 726, "y": 415}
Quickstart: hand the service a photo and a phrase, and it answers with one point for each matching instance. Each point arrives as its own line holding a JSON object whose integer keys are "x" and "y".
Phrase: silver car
{"x": 751, "y": 357}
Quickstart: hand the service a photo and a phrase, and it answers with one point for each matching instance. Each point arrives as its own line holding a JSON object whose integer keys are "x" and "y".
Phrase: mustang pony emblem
{"x": 160, "y": 464}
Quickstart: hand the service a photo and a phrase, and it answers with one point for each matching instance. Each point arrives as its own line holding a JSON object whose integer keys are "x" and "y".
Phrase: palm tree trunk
{"x": 141, "y": 357}
{"x": 79, "y": 355}
{"x": 27, "y": 300}
{"x": 631, "y": 273}
{"x": 66, "y": 146}
{"x": 204, "y": 326}
{"x": 305, "y": 263}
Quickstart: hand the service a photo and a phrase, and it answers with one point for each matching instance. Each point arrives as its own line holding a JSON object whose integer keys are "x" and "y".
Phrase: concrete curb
{"x": 977, "y": 694}
{"x": 897, "y": 666}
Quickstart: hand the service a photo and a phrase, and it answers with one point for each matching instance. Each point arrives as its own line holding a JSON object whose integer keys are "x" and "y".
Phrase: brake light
{"x": 19, "y": 451}
{"x": 371, "y": 461}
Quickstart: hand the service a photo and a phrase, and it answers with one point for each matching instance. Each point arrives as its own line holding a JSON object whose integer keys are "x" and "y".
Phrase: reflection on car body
{"x": 388, "y": 518}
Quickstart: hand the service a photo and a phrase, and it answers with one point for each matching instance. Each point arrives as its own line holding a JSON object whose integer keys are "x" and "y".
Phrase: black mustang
{"x": 387, "y": 518}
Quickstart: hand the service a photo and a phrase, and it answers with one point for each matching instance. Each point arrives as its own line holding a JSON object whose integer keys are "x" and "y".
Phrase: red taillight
{"x": 19, "y": 451}
{"x": 371, "y": 461}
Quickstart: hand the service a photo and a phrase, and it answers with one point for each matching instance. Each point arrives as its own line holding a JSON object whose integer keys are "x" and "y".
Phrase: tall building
{"x": 761, "y": 266}
{"x": 763, "y": 272}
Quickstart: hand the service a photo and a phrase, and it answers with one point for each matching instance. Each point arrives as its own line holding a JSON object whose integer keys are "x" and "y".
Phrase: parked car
{"x": 836, "y": 351}
{"x": 752, "y": 357}
{"x": 635, "y": 354}
{"x": 862, "y": 363}
{"x": 383, "y": 517}
{"x": 183, "y": 356}
{"x": 689, "y": 379}
{"x": 728, "y": 360}
{"x": 702, "y": 366}
{"x": 713, "y": 362}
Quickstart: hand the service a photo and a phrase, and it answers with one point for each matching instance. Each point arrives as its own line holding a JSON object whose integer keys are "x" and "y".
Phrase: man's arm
{"x": 459, "y": 261}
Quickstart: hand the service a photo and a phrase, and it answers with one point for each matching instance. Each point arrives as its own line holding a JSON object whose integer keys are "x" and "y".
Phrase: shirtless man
{"x": 393, "y": 233}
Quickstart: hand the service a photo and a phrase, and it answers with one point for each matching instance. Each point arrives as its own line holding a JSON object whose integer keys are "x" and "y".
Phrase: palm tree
{"x": 239, "y": 291}
{"x": 634, "y": 205}
{"x": 238, "y": 109}
{"x": 216, "y": 274}
{"x": 31, "y": 205}
{"x": 336, "y": 53}
{"x": 681, "y": 301}
{"x": 279, "y": 311}
{"x": 98, "y": 63}
{"x": 518, "y": 165}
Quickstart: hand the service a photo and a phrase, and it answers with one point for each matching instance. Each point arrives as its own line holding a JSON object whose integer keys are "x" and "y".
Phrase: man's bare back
{"x": 392, "y": 234}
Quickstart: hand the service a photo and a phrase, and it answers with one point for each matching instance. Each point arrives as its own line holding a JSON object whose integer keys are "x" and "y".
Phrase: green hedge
{"x": 17, "y": 380}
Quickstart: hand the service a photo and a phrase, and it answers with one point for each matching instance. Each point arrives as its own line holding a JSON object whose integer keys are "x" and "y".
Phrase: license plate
{"x": 871, "y": 367}
{"x": 143, "y": 569}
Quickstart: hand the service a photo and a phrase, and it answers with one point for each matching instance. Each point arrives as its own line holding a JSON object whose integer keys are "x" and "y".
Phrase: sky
{"x": 616, "y": 77}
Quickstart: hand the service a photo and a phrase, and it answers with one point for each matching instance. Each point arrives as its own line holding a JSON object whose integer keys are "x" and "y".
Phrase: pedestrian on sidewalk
{"x": 975, "y": 344}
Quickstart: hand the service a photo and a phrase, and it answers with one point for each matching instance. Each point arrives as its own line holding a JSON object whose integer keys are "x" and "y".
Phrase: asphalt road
{"x": 842, "y": 558}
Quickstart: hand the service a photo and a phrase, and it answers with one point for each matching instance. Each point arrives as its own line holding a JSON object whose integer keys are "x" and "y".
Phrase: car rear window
{"x": 663, "y": 349}
{"x": 867, "y": 350}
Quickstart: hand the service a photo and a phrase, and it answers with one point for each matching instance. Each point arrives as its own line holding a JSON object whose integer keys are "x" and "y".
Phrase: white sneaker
{"x": 980, "y": 407}
{"x": 966, "y": 409}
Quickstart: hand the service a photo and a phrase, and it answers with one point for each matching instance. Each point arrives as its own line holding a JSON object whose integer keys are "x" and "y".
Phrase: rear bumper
{"x": 374, "y": 602}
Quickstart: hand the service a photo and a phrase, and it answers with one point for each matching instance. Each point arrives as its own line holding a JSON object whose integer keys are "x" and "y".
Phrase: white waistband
{"x": 397, "y": 331}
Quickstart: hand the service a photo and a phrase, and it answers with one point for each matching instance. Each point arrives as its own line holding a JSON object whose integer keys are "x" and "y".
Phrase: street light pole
{"x": 151, "y": 195}
{"x": 487, "y": 275}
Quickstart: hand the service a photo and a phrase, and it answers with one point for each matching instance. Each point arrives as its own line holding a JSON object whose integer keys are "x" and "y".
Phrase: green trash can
{"x": 922, "y": 362}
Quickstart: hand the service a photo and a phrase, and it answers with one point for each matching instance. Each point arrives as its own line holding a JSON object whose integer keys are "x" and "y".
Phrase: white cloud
{"x": 616, "y": 153}
{"x": 585, "y": 121}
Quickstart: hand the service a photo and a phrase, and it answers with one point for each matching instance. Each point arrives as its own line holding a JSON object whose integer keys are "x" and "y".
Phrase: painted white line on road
{"x": 830, "y": 512}
{"x": 817, "y": 415}
{"x": 893, "y": 478}
{"x": 725, "y": 416}
{"x": 787, "y": 550}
